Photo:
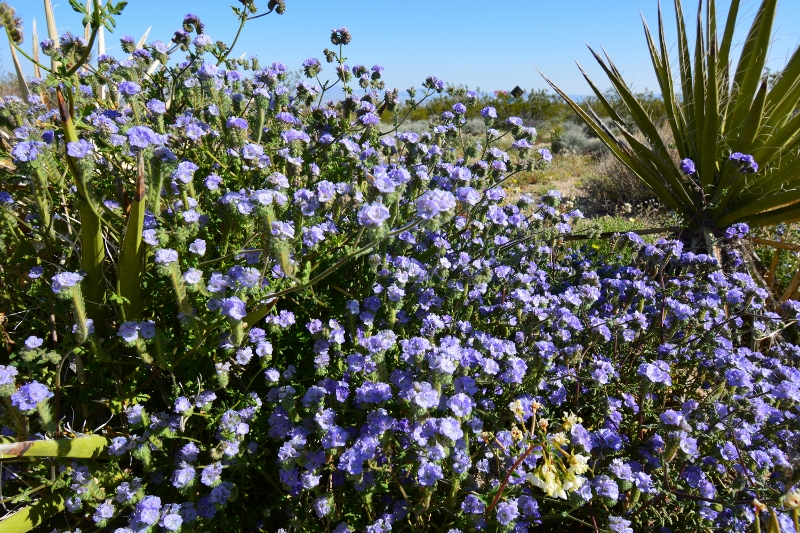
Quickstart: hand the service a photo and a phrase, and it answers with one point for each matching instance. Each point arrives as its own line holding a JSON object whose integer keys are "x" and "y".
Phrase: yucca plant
{"x": 717, "y": 114}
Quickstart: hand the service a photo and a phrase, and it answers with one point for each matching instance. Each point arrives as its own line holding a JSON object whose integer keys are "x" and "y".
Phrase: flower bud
{"x": 340, "y": 36}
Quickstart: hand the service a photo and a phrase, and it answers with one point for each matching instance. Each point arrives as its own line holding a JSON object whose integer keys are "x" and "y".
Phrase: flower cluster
{"x": 286, "y": 315}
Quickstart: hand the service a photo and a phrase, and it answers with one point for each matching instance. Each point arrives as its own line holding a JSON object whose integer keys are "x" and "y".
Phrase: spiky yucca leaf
{"x": 713, "y": 111}
{"x": 77, "y": 448}
{"x": 33, "y": 515}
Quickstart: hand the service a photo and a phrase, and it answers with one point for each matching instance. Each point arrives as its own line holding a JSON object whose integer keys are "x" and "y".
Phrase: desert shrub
{"x": 321, "y": 327}
{"x": 614, "y": 184}
{"x": 535, "y": 107}
{"x": 574, "y": 138}
{"x": 476, "y": 126}
{"x": 727, "y": 124}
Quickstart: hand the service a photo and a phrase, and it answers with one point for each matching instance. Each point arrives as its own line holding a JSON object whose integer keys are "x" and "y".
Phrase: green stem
{"x": 80, "y": 314}
{"x": 92, "y": 249}
{"x": 95, "y": 28}
{"x": 129, "y": 277}
{"x": 258, "y": 314}
{"x": 29, "y": 58}
{"x": 180, "y": 290}
{"x": 235, "y": 39}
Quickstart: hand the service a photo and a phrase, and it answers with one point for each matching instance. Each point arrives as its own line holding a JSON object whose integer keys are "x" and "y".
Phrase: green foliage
{"x": 573, "y": 138}
{"x": 533, "y": 106}
{"x": 714, "y": 112}
{"x": 33, "y": 515}
{"x": 77, "y": 448}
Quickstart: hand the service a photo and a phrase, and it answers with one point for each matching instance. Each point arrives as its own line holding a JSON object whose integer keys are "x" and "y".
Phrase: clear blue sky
{"x": 486, "y": 44}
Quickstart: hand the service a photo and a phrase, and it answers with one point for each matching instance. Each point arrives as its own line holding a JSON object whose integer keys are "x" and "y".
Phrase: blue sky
{"x": 486, "y": 44}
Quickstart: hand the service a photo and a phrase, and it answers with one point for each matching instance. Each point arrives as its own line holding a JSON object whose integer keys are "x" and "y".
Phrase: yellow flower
{"x": 545, "y": 478}
{"x": 792, "y": 499}
{"x": 578, "y": 464}
{"x": 760, "y": 507}
{"x": 570, "y": 419}
{"x": 572, "y": 482}
{"x": 559, "y": 439}
{"x": 517, "y": 408}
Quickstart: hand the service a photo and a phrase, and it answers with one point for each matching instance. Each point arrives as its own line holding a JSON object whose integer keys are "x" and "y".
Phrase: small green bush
{"x": 573, "y": 138}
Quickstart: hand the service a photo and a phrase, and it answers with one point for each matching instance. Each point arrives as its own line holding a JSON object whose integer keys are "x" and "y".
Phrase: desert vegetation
{"x": 232, "y": 303}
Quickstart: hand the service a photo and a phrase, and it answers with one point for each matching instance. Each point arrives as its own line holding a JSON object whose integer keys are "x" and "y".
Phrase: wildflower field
{"x": 231, "y": 303}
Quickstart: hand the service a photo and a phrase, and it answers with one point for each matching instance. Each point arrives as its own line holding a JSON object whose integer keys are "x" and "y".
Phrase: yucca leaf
{"x": 664, "y": 75}
{"x": 661, "y": 168}
{"x": 699, "y": 91}
{"x": 601, "y": 97}
{"x": 744, "y": 143}
{"x": 141, "y": 41}
{"x": 784, "y": 110}
{"x": 685, "y": 69}
{"x": 773, "y": 525}
{"x": 21, "y": 81}
{"x": 787, "y": 215}
{"x": 33, "y": 515}
{"x": 129, "y": 276}
{"x": 751, "y": 62}
{"x": 35, "y": 38}
{"x": 711, "y": 25}
{"x": 786, "y": 82}
{"x": 645, "y": 124}
{"x": 773, "y": 180}
{"x": 752, "y": 124}
{"x": 779, "y": 141}
{"x": 723, "y": 73}
{"x": 708, "y": 165}
{"x": 77, "y": 448}
{"x": 727, "y": 40}
{"x": 654, "y": 182}
{"x": 764, "y": 205}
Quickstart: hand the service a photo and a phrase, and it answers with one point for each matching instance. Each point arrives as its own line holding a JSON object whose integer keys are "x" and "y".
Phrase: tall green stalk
{"x": 92, "y": 250}
{"x": 129, "y": 274}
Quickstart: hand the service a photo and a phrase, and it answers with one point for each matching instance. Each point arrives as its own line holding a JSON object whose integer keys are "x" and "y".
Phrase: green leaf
{"x": 708, "y": 165}
{"x": 117, "y": 9}
{"x": 78, "y": 7}
{"x": 762, "y": 206}
{"x": 751, "y": 63}
{"x": 92, "y": 244}
{"x": 131, "y": 267}
{"x": 779, "y": 142}
{"x": 699, "y": 96}
{"x": 727, "y": 41}
{"x": 33, "y": 515}
{"x": 685, "y": 69}
{"x": 786, "y": 215}
{"x": 664, "y": 74}
{"x": 645, "y": 124}
{"x": 77, "y": 448}
{"x": 618, "y": 149}
{"x": 773, "y": 179}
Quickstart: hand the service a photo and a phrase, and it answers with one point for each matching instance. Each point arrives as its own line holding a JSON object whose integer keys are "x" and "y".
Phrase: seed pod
{"x": 12, "y": 23}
